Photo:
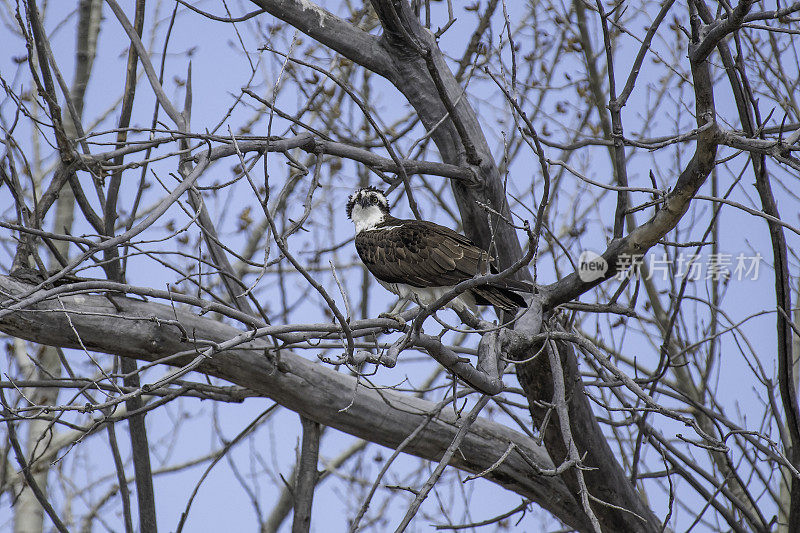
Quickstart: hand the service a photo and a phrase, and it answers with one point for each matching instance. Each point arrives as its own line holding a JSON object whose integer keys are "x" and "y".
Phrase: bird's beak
{"x": 363, "y": 201}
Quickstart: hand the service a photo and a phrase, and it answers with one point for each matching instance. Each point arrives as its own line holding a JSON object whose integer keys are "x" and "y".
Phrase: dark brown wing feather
{"x": 419, "y": 253}
{"x": 498, "y": 297}
{"x": 424, "y": 254}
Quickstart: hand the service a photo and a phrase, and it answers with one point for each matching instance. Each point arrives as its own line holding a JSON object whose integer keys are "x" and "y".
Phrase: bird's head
{"x": 367, "y": 207}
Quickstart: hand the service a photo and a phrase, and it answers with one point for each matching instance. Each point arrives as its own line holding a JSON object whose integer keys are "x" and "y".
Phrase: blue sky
{"x": 189, "y": 428}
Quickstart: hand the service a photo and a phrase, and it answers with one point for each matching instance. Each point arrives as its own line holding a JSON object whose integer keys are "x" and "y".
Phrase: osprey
{"x": 421, "y": 261}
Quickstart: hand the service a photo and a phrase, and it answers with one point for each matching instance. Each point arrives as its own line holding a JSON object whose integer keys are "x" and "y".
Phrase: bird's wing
{"x": 420, "y": 254}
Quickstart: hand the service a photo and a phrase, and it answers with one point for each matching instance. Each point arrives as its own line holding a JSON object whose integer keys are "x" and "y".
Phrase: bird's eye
{"x": 374, "y": 200}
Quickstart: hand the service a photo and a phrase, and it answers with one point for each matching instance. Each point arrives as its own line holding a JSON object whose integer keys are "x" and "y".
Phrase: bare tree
{"x": 174, "y": 230}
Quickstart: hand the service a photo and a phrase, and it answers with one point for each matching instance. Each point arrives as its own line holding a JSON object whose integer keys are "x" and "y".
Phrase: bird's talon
{"x": 397, "y": 318}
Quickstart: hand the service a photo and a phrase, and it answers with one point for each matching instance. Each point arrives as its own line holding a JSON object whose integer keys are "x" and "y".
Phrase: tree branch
{"x": 146, "y": 331}
{"x": 307, "y": 476}
{"x": 331, "y": 31}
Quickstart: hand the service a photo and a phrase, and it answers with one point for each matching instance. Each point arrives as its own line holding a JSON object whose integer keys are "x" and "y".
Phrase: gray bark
{"x": 144, "y": 331}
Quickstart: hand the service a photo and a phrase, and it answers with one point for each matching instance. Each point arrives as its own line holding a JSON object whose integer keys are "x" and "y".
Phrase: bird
{"x": 420, "y": 260}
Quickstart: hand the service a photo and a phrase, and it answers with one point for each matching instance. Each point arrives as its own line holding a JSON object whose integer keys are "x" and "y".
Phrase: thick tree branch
{"x": 307, "y": 476}
{"x": 147, "y": 331}
{"x": 331, "y": 31}
{"x": 672, "y": 209}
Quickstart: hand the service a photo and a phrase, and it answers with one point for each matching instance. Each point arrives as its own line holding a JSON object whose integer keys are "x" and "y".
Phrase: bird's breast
{"x": 420, "y": 295}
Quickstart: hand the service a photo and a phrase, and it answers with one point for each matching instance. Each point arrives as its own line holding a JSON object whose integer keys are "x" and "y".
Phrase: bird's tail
{"x": 501, "y": 297}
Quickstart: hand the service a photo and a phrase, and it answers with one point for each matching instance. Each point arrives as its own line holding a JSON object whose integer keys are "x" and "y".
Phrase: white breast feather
{"x": 428, "y": 295}
{"x": 366, "y": 218}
